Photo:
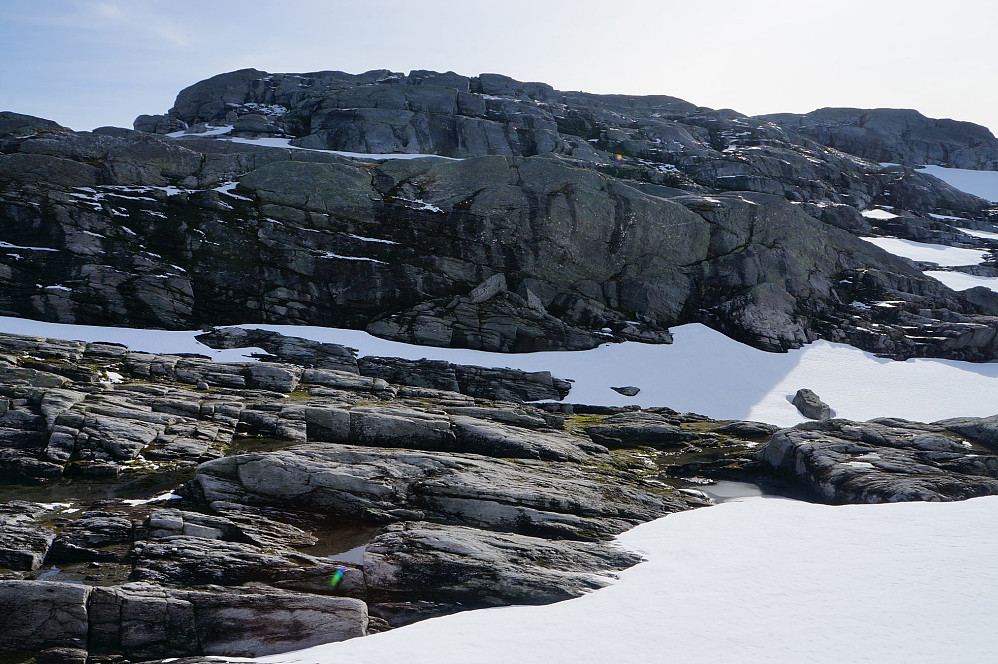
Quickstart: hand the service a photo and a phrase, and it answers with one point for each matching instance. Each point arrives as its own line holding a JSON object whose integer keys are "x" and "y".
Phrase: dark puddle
{"x": 242, "y": 444}
{"x": 91, "y": 574}
{"x": 86, "y": 492}
{"x": 342, "y": 541}
{"x": 722, "y": 491}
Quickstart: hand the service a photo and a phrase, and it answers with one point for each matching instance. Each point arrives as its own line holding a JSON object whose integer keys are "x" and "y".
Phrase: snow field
{"x": 703, "y": 371}
{"x": 753, "y": 580}
{"x": 960, "y": 281}
{"x": 940, "y": 254}
{"x": 978, "y": 183}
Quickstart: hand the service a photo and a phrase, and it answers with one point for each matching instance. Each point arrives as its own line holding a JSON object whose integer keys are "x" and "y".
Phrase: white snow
{"x": 755, "y": 580}
{"x": 422, "y": 205}
{"x": 227, "y": 188}
{"x": 939, "y": 254}
{"x": 113, "y": 377}
{"x": 878, "y": 213}
{"x": 703, "y": 371}
{"x": 169, "y": 495}
{"x": 286, "y": 143}
{"x": 961, "y": 281}
{"x": 329, "y": 254}
{"x": 212, "y": 131}
{"x": 989, "y": 235}
{"x": 364, "y": 238}
{"x": 8, "y": 245}
{"x": 978, "y": 183}
{"x": 149, "y": 341}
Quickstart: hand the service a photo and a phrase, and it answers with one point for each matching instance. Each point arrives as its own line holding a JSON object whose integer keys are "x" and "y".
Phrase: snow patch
{"x": 8, "y": 245}
{"x": 960, "y": 281}
{"x": 978, "y": 183}
{"x": 169, "y": 495}
{"x": 363, "y": 238}
{"x": 878, "y": 213}
{"x": 987, "y": 235}
{"x": 940, "y": 254}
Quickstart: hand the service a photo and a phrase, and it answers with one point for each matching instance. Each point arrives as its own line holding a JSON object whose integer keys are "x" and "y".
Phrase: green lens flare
{"x": 337, "y": 576}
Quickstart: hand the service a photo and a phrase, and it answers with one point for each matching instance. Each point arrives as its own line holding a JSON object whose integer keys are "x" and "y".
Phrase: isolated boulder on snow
{"x": 810, "y": 405}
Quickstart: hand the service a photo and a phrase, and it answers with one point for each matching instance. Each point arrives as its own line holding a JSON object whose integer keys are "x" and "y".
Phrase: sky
{"x": 88, "y": 63}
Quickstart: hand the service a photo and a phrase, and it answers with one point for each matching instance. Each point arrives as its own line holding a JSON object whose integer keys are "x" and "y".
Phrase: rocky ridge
{"x": 533, "y": 233}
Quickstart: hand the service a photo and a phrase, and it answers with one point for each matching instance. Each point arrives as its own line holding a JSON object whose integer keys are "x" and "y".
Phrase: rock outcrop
{"x": 144, "y": 621}
{"x": 839, "y": 461}
{"x": 381, "y": 485}
{"x": 533, "y": 235}
{"x": 901, "y": 136}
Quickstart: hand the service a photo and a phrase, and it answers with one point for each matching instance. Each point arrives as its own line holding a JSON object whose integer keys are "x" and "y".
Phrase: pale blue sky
{"x": 86, "y": 63}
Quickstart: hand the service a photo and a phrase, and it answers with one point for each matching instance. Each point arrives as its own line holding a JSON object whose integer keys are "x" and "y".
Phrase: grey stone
{"x": 527, "y": 497}
{"x": 25, "y": 538}
{"x": 633, "y": 429}
{"x": 476, "y": 567}
{"x": 36, "y": 615}
{"x": 810, "y": 405}
{"x": 90, "y": 536}
{"x": 627, "y": 390}
{"x": 839, "y": 461}
{"x": 144, "y": 621}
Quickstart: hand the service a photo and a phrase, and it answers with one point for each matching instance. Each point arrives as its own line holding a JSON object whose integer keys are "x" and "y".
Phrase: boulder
{"x": 187, "y": 560}
{"x": 95, "y": 535}
{"x": 810, "y": 405}
{"x": 747, "y": 429}
{"x": 981, "y": 430}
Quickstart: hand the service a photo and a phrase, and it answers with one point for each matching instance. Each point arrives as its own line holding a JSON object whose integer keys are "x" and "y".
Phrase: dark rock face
{"x": 638, "y": 428}
{"x": 431, "y": 560}
{"x": 390, "y": 485}
{"x": 839, "y": 461}
{"x": 18, "y": 125}
{"x": 810, "y": 405}
{"x": 537, "y": 240}
{"x": 89, "y": 536}
{"x": 38, "y": 616}
{"x": 501, "y": 384}
{"x": 24, "y": 537}
{"x": 496, "y": 383}
{"x": 145, "y": 621}
{"x": 899, "y": 136}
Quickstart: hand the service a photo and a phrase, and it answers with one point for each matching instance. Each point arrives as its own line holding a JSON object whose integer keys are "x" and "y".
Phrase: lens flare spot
{"x": 337, "y": 576}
